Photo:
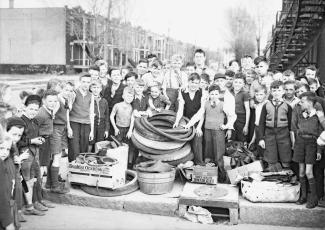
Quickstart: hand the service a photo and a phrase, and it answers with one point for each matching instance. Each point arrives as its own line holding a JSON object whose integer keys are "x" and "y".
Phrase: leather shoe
{"x": 38, "y": 206}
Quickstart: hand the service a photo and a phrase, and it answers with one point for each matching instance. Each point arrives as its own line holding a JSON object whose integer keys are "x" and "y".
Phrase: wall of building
{"x": 33, "y": 36}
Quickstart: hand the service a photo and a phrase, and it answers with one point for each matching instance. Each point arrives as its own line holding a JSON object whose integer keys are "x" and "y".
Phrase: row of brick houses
{"x": 69, "y": 39}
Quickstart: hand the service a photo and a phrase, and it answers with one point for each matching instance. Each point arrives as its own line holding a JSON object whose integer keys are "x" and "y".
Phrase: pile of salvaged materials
{"x": 156, "y": 138}
{"x": 271, "y": 187}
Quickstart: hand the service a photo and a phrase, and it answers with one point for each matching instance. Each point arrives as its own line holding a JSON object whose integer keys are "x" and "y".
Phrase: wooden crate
{"x": 229, "y": 201}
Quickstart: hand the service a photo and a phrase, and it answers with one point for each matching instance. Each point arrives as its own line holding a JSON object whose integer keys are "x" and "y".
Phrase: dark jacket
{"x": 6, "y": 217}
{"x": 117, "y": 96}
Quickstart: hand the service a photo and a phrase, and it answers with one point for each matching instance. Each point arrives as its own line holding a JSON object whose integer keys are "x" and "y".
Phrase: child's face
{"x": 67, "y": 91}
{"x": 277, "y": 93}
{"x": 310, "y": 73}
{"x": 5, "y": 147}
{"x": 96, "y": 89}
{"x": 154, "y": 92}
{"x": 190, "y": 69}
{"x": 249, "y": 79}
{"x": 221, "y": 82}
{"x": 116, "y": 76}
{"x": 204, "y": 84}
{"x": 234, "y": 67}
{"x": 214, "y": 95}
{"x": 300, "y": 90}
{"x": 194, "y": 85}
{"x": 31, "y": 110}
{"x": 142, "y": 68}
{"x": 102, "y": 71}
{"x": 260, "y": 96}
{"x": 177, "y": 63}
{"x": 15, "y": 133}
{"x": 313, "y": 88}
{"x": 305, "y": 104}
{"x": 156, "y": 71}
{"x": 261, "y": 68}
{"x": 238, "y": 84}
{"x": 85, "y": 83}
{"x": 128, "y": 97}
{"x": 50, "y": 102}
{"x": 138, "y": 89}
{"x": 289, "y": 91}
{"x": 199, "y": 59}
{"x": 130, "y": 81}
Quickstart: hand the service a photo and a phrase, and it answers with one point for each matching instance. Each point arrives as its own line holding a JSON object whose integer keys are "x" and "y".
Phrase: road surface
{"x": 75, "y": 217}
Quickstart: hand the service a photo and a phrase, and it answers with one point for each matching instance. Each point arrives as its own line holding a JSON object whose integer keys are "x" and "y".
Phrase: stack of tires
{"x": 156, "y": 138}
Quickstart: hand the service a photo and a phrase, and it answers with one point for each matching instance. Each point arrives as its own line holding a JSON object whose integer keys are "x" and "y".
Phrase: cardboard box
{"x": 203, "y": 174}
{"x": 243, "y": 171}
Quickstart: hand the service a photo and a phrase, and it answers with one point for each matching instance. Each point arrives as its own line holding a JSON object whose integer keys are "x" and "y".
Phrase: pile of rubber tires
{"x": 156, "y": 138}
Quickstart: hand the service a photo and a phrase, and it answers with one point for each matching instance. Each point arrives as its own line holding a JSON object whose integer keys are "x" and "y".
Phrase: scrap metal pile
{"x": 156, "y": 138}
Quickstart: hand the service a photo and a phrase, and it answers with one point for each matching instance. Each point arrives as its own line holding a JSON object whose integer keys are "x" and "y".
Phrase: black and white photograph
{"x": 162, "y": 114}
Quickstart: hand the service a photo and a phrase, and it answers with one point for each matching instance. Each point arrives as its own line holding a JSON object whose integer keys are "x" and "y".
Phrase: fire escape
{"x": 297, "y": 29}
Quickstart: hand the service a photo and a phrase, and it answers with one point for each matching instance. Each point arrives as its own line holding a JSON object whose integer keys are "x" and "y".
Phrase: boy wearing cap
{"x": 15, "y": 128}
{"x": 31, "y": 140}
{"x": 305, "y": 129}
{"x": 274, "y": 127}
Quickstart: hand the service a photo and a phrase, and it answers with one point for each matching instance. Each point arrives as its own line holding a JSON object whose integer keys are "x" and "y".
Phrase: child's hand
{"x": 91, "y": 136}
{"x": 199, "y": 132}
{"x": 24, "y": 155}
{"x": 129, "y": 134}
{"x": 36, "y": 141}
{"x": 70, "y": 132}
{"x": 262, "y": 144}
{"x": 187, "y": 126}
{"x": 319, "y": 157}
{"x": 228, "y": 134}
{"x": 116, "y": 131}
{"x": 106, "y": 134}
{"x": 245, "y": 130}
{"x": 176, "y": 124}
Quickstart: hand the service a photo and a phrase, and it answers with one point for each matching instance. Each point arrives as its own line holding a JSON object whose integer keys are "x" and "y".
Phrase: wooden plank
{"x": 233, "y": 214}
{"x": 208, "y": 203}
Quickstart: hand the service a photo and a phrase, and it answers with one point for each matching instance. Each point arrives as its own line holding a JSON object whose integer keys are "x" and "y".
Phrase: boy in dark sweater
{"x": 189, "y": 104}
{"x": 306, "y": 128}
{"x": 242, "y": 109}
{"x": 101, "y": 122}
{"x": 274, "y": 127}
{"x": 31, "y": 140}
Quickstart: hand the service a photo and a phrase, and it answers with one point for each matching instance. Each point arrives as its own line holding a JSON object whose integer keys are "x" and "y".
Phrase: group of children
{"x": 282, "y": 115}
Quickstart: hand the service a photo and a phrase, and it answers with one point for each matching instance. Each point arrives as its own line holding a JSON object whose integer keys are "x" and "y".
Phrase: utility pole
{"x": 107, "y": 31}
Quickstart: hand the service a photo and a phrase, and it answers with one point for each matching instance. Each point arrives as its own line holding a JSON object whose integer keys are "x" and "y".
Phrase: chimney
{"x": 11, "y": 4}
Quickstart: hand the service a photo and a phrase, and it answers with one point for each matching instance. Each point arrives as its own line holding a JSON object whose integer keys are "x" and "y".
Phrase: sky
{"x": 203, "y": 23}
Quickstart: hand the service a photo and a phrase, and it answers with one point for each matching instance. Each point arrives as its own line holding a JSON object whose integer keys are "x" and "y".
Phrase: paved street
{"x": 75, "y": 217}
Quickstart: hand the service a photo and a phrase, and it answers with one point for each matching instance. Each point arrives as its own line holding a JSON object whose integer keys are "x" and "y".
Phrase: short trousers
{"x": 277, "y": 145}
{"x": 59, "y": 139}
{"x": 305, "y": 150}
{"x": 30, "y": 168}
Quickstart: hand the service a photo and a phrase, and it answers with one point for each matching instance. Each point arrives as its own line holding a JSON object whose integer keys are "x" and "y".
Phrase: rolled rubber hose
{"x": 148, "y": 134}
{"x": 157, "y": 144}
{"x": 189, "y": 134}
{"x": 129, "y": 187}
{"x": 151, "y": 150}
{"x": 176, "y": 155}
{"x": 189, "y": 157}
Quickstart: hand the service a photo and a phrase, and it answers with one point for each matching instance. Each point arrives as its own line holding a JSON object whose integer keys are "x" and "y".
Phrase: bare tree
{"x": 243, "y": 31}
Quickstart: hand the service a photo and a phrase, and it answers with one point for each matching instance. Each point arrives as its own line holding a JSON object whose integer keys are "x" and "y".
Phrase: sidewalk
{"x": 281, "y": 214}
